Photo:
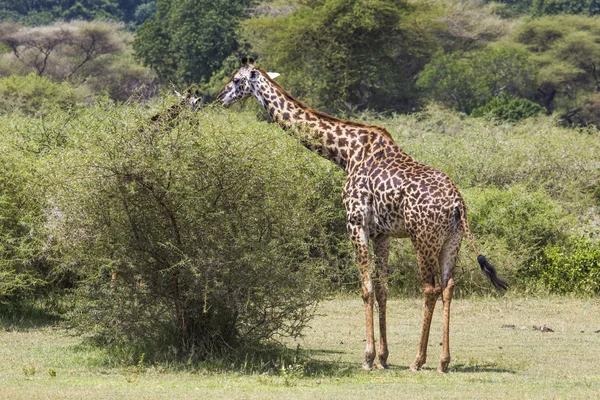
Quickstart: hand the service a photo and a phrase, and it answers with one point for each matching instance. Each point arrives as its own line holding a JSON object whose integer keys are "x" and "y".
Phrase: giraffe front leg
{"x": 362, "y": 252}
{"x": 359, "y": 239}
{"x": 381, "y": 247}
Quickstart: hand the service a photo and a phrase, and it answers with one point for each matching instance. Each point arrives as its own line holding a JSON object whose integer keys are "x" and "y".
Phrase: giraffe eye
{"x": 236, "y": 81}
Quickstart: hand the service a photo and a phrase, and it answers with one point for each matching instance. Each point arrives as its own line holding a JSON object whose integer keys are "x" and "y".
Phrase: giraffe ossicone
{"x": 387, "y": 195}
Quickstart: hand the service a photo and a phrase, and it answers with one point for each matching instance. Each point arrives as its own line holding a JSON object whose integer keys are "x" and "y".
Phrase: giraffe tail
{"x": 487, "y": 268}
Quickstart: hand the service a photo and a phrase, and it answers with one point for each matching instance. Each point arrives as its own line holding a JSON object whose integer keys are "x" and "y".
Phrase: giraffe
{"x": 188, "y": 99}
{"x": 387, "y": 195}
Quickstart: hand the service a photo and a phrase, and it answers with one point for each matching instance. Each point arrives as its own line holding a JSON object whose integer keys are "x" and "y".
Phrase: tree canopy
{"x": 186, "y": 41}
{"x": 41, "y": 12}
{"x": 341, "y": 54}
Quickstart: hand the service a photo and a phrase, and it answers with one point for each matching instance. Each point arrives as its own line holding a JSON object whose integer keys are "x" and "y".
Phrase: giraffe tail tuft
{"x": 490, "y": 271}
{"x": 460, "y": 213}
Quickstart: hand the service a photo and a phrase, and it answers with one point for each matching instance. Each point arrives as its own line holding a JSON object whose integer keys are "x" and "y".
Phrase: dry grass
{"x": 488, "y": 360}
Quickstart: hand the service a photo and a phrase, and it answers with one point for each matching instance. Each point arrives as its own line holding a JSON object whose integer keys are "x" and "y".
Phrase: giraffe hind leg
{"x": 431, "y": 291}
{"x": 447, "y": 261}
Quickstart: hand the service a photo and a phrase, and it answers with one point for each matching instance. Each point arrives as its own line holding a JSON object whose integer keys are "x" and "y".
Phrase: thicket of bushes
{"x": 186, "y": 238}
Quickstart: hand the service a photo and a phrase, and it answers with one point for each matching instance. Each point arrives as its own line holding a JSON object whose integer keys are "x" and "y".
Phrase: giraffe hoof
{"x": 419, "y": 362}
{"x": 415, "y": 367}
{"x": 382, "y": 365}
{"x": 443, "y": 367}
{"x": 367, "y": 365}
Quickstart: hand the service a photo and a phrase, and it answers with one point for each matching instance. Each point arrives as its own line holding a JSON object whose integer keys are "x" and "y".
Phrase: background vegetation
{"x": 185, "y": 235}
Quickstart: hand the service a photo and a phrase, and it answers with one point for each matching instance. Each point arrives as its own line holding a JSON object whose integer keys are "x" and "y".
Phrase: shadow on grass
{"x": 23, "y": 317}
{"x": 480, "y": 367}
{"x": 282, "y": 361}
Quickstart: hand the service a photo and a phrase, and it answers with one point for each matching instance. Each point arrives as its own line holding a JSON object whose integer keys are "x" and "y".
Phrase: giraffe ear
{"x": 273, "y": 75}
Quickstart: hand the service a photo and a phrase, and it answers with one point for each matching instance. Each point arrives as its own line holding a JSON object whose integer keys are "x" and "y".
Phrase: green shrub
{"x": 34, "y": 94}
{"x": 467, "y": 81}
{"x": 588, "y": 114}
{"x": 571, "y": 267}
{"x": 502, "y": 107}
{"x": 526, "y": 219}
{"x": 216, "y": 228}
{"x": 24, "y": 265}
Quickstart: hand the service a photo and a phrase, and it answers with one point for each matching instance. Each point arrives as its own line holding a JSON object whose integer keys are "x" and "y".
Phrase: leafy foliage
{"x": 213, "y": 218}
{"x": 524, "y": 218}
{"x": 467, "y": 82}
{"x": 42, "y": 12}
{"x": 588, "y": 114}
{"x": 339, "y": 54}
{"x": 504, "y": 108}
{"x": 553, "y": 7}
{"x": 572, "y": 267}
{"x": 24, "y": 266}
{"x": 186, "y": 41}
{"x": 567, "y": 49}
{"x": 34, "y": 94}
{"x": 92, "y": 56}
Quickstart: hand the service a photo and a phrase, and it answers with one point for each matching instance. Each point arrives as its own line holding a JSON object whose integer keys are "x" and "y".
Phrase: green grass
{"x": 488, "y": 360}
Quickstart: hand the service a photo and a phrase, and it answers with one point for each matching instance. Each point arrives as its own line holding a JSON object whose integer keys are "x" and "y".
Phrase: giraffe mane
{"x": 321, "y": 114}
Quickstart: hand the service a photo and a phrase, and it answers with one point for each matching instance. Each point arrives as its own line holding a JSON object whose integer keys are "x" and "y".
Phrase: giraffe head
{"x": 193, "y": 99}
{"x": 245, "y": 81}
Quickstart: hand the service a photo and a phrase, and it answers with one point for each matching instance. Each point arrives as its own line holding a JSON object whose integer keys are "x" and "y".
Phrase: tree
{"x": 205, "y": 251}
{"x": 89, "y": 55}
{"x": 448, "y": 78}
{"x": 567, "y": 49}
{"x": 517, "y": 6}
{"x": 466, "y": 81}
{"x": 339, "y": 54}
{"x": 62, "y": 50}
{"x": 554, "y": 7}
{"x": 44, "y": 12}
{"x": 90, "y": 9}
{"x": 143, "y": 12}
{"x": 186, "y": 41}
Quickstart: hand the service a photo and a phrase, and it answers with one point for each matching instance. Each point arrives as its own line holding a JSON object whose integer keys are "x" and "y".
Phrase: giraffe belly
{"x": 390, "y": 228}
{"x": 388, "y": 221}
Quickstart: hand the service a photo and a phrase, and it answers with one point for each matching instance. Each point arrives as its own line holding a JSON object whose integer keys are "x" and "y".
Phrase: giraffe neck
{"x": 342, "y": 142}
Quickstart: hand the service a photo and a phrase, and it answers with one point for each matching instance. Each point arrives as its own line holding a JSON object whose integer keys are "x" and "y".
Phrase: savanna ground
{"x": 489, "y": 360}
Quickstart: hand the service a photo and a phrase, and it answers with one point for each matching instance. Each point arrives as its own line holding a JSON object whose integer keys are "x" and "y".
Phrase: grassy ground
{"x": 489, "y": 360}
